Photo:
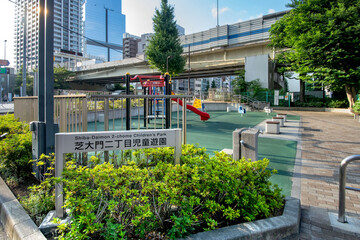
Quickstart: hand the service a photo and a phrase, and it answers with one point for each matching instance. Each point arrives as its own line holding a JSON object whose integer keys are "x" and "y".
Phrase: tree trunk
{"x": 302, "y": 91}
{"x": 351, "y": 94}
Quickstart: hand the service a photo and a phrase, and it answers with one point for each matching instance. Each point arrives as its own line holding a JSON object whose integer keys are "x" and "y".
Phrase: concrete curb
{"x": 271, "y": 228}
{"x": 17, "y": 223}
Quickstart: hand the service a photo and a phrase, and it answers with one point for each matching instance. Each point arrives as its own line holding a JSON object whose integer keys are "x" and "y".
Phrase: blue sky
{"x": 193, "y": 15}
{"x": 198, "y": 15}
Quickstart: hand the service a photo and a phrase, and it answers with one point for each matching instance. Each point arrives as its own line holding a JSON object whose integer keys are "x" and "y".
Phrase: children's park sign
{"x": 106, "y": 141}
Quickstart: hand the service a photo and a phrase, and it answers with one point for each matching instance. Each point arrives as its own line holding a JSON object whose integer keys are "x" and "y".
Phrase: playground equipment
{"x": 242, "y": 110}
{"x": 203, "y": 115}
{"x": 151, "y": 85}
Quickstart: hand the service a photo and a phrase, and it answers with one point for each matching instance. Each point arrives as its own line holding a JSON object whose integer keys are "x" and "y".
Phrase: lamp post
{"x": 5, "y": 49}
{"x": 217, "y": 13}
{"x": 167, "y": 63}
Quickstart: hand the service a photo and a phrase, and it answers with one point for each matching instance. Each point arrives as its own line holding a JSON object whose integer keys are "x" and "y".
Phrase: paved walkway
{"x": 327, "y": 138}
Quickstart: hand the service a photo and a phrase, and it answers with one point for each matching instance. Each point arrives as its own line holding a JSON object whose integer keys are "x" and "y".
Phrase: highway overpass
{"x": 219, "y": 51}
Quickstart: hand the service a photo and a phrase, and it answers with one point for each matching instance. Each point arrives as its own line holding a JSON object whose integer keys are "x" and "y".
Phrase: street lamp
{"x": 217, "y": 13}
{"x": 167, "y": 63}
{"x": 5, "y": 49}
{"x": 107, "y": 31}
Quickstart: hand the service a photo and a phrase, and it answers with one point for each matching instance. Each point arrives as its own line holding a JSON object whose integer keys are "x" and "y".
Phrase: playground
{"x": 209, "y": 129}
{"x": 215, "y": 134}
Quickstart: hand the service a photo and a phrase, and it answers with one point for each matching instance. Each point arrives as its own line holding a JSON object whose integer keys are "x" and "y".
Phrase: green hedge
{"x": 136, "y": 202}
{"x": 15, "y": 149}
{"x": 356, "y": 107}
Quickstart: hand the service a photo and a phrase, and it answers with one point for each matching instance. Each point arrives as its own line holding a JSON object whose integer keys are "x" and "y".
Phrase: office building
{"x": 68, "y": 29}
{"x": 104, "y": 29}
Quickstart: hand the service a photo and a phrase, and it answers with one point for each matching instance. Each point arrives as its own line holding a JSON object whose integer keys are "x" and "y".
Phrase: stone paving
{"x": 327, "y": 138}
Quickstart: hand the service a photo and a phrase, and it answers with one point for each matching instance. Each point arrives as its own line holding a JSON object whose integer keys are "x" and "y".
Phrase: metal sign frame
{"x": 106, "y": 141}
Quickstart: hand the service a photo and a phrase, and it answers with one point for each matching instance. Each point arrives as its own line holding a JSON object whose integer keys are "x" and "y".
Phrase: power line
{"x": 100, "y": 43}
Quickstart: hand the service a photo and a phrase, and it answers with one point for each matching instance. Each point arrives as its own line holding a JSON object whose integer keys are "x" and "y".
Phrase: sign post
{"x": 106, "y": 141}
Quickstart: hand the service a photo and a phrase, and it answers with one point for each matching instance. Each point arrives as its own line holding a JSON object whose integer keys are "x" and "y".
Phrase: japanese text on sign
{"x": 104, "y": 141}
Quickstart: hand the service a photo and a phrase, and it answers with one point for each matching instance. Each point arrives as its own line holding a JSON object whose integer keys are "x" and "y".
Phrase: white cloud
{"x": 257, "y": 16}
{"x": 139, "y": 15}
{"x": 221, "y": 10}
{"x": 271, "y": 11}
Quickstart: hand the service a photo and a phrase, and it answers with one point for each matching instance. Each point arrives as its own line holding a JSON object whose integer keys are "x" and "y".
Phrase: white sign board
{"x": 109, "y": 140}
{"x": 119, "y": 140}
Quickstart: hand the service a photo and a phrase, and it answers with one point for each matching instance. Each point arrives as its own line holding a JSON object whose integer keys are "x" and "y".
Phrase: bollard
{"x": 245, "y": 143}
{"x": 280, "y": 120}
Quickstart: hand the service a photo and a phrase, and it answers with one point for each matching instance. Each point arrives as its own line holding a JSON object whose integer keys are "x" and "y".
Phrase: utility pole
{"x": 189, "y": 71}
{"x": 23, "y": 93}
{"x": 217, "y": 13}
{"x": 107, "y": 31}
{"x": 5, "y": 49}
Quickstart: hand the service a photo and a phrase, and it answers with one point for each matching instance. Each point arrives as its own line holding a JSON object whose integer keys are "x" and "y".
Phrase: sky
{"x": 193, "y": 15}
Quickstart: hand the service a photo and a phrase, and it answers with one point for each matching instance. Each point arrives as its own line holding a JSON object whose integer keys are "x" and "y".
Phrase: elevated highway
{"x": 219, "y": 51}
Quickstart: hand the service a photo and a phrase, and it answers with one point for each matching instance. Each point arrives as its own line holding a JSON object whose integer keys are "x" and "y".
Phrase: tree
{"x": 322, "y": 37}
{"x": 213, "y": 84}
{"x": 207, "y": 86}
{"x": 165, "y": 42}
{"x": 19, "y": 82}
{"x": 239, "y": 84}
{"x": 61, "y": 74}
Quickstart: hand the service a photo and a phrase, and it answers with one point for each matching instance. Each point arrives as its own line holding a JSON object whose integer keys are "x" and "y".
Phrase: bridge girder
{"x": 212, "y": 63}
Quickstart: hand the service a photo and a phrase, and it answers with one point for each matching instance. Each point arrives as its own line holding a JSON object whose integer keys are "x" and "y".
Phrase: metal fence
{"x": 78, "y": 113}
{"x": 110, "y": 112}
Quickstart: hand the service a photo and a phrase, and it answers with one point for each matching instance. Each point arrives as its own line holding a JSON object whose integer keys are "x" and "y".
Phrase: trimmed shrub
{"x": 15, "y": 149}
{"x": 333, "y": 103}
{"x": 356, "y": 107}
{"x": 164, "y": 200}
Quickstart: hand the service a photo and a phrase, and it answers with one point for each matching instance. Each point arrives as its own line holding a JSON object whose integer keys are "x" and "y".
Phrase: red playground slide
{"x": 203, "y": 115}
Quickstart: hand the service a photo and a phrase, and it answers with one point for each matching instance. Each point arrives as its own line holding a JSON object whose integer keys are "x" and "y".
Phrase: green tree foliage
{"x": 165, "y": 42}
{"x": 207, "y": 86}
{"x": 213, "y": 84}
{"x": 61, "y": 74}
{"x": 19, "y": 82}
{"x": 322, "y": 37}
{"x": 239, "y": 84}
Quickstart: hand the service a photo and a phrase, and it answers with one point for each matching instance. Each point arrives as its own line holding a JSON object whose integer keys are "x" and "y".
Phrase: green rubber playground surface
{"x": 216, "y": 134}
{"x": 282, "y": 154}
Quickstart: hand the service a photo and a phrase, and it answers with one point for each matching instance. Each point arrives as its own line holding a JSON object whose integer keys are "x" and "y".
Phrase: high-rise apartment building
{"x": 79, "y": 31}
{"x": 104, "y": 29}
{"x": 68, "y": 31}
{"x": 130, "y": 45}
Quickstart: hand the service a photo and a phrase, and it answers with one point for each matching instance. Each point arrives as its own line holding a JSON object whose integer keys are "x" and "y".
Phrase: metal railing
{"x": 79, "y": 113}
{"x": 110, "y": 112}
{"x": 342, "y": 187}
{"x": 252, "y": 102}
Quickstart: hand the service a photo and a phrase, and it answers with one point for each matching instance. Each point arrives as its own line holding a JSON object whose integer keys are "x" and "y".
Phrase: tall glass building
{"x": 104, "y": 29}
